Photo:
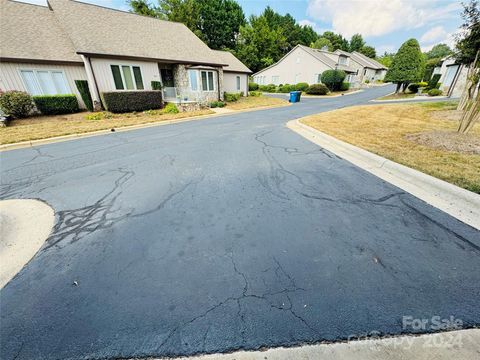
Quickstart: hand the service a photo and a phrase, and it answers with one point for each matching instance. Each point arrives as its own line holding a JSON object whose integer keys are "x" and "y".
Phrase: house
{"x": 453, "y": 76}
{"x": 305, "y": 64}
{"x": 45, "y": 49}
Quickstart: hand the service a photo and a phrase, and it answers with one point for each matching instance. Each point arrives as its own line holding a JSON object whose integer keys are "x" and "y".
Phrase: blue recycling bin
{"x": 295, "y": 96}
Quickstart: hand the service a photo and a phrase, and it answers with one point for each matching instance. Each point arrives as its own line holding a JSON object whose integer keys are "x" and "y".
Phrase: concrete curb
{"x": 318, "y": 96}
{"x": 25, "y": 144}
{"x": 416, "y": 98}
{"x": 455, "y": 201}
{"x": 459, "y": 345}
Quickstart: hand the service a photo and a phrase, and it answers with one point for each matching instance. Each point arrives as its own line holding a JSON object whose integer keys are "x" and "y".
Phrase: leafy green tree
{"x": 439, "y": 51}
{"x": 337, "y": 41}
{"x": 356, "y": 43}
{"x": 368, "y": 51}
{"x": 407, "y": 65}
{"x": 430, "y": 65}
{"x": 386, "y": 59}
{"x": 142, "y": 7}
{"x": 321, "y": 43}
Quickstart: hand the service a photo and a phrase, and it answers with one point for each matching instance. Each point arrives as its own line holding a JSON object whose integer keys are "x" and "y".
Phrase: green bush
{"x": 345, "y": 86}
{"x": 83, "y": 89}
{"x": 432, "y": 83}
{"x": 56, "y": 104}
{"x": 317, "y": 89}
{"x": 17, "y": 104}
{"x": 254, "y": 93}
{"x": 333, "y": 79}
{"x": 215, "y": 104}
{"x": 252, "y": 86}
{"x": 99, "y": 115}
{"x": 231, "y": 97}
{"x": 413, "y": 88}
{"x": 268, "y": 88}
{"x": 286, "y": 88}
{"x": 422, "y": 84}
{"x": 367, "y": 81}
{"x": 170, "y": 108}
{"x": 434, "y": 92}
{"x": 301, "y": 86}
{"x": 127, "y": 101}
{"x": 156, "y": 85}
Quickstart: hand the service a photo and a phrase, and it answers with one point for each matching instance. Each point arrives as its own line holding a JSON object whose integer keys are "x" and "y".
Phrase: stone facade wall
{"x": 182, "y": 83}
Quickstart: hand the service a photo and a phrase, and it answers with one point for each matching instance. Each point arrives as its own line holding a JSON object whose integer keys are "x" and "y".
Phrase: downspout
{"x": 92, "y": 84}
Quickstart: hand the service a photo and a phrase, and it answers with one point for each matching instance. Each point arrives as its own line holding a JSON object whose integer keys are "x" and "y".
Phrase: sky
{"x": 384, "y": 24}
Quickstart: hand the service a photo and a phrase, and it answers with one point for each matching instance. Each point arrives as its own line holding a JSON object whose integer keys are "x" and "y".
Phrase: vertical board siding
{"x": 230, "y": 82}
{"x": 104, "y": 77}
{"x": 10, "y": 78}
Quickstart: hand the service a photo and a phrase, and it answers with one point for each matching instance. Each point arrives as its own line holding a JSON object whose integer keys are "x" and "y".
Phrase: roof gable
{"x": 233, "y": 63}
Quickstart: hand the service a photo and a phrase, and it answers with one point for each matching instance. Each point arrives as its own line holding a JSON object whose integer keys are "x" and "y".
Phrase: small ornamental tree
{"x": 333, "y": 79}
{"x": 407, "y": 65}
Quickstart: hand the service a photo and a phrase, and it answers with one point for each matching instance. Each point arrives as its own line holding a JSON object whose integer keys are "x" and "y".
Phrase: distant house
{"x": 305, "y": 64}
{"x": 453, "y": 76}
{"x": 45, "y": 49}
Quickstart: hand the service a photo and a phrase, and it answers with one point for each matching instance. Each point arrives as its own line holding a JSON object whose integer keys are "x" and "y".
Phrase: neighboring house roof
{"x": 31, "y": 32}
{"x": 365, "y": 61}
{"x": 234, "y": 65}
{"x": 119, "y": 33}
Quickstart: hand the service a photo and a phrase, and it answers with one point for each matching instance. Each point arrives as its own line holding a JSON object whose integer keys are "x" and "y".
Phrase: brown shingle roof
{"x": 97, "y": 30}
{"x": 31, "y": 32}
{"x": 234, "y": 65}
{"x": 366, "y": 61}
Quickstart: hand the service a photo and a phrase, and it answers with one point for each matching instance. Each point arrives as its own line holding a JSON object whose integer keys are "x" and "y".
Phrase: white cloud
{"x": 434, "y": 34}
{"x": 378, "y": 17}
{"x": 314, "y": 25}
{"x": 381, "y": 49}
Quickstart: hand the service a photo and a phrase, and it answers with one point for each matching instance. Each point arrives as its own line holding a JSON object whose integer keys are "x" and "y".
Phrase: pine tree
{"x": 407, "y": 65}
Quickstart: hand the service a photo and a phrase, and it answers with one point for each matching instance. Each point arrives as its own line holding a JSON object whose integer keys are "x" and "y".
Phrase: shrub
{"x": 83, "y": 89}
{"x": 156, "y": 85}
{"x": 345, "y": 86}
{"x": 367, "y": 81}
{"x": 268, "y": 88}
{"x": 317, "y": 89}
{"x": 432, "y": 83}
{"x": 215, "y": 104}
{"x": 301, "y": 86}
{"x": 434, "y": 92}
{"x": 254, "y": 93}
{"x": 286, "y": 88}
{"x": 56, "y": 104}
{"x": 230, "y": 97}
{"x": 126, "y": 101}
{"x": 99, "y": 115}
{"x": 252, "y": 86}
{"x": 422, "y": 84}
{"x": 171, "y": 108}
{"x": 17, "y": 104}
{"x": 333, "y": 79}
{"x": 413, "y": 88}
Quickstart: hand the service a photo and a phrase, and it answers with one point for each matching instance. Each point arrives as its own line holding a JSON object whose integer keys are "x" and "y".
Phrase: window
{"x": 192, "y": 75}
{"x": 275, "y": 79}
{"x": 297, "y": 76}
{"x": 238, "y": 82}
{"x": 450, "y": 75}
{"x": 207, "y": 81}
{"x": 45, "y": 82}
{"x": 127, "y": 77}
{"x": 298, "y": 60}
{"x": 342, "y": 60}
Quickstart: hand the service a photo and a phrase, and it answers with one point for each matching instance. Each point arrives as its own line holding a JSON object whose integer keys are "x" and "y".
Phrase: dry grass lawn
{"x": 421, "y": 136}
{"x": 41, "y": 127}
{"x": 250, "y": 102}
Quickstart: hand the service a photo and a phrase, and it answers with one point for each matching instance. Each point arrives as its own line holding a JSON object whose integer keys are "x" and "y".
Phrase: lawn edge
{"x": 455, "y": 201}
{"x": 62, "y": 138}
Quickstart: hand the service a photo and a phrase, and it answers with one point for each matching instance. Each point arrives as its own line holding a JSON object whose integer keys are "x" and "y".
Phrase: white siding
{"x": 230, "y": 82}
{"x": 10, "y": 78}
{"x": 104, "y": 77}
{"x": 288, "y": 68}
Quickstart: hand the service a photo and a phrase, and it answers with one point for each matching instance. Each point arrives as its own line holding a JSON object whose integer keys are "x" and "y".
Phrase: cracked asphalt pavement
{"x": 227, "y": 233}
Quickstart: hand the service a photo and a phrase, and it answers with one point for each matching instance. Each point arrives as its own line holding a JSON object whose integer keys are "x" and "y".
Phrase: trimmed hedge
{"x": 252, "y": 86}
{"x": 215, "y": 104}
{"x": 413, "y": 88}
{"x": 345, "y": 86}
{"x": 56, "y": 104}
{"x": 255, "y": 93}
{"x": 286, "y": 88}
{"x": 17, "y": 104}
{"x": 82, "y": 86}
{"x": 231, "y": 97}
{"x": 303, "y": 86}
{"x": 333, "y": 79}
{"x": 317, "y": 89}
{"x": 156, "y": 85}
{"x": 268, "y": 88}
{"x": 127, "y": 101}
{"x": 434, "y": 92}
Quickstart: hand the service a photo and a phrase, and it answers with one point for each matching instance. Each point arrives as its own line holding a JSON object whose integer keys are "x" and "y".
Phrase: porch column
{"x": 220, "y": 83}
{"x": 92, "y": 85}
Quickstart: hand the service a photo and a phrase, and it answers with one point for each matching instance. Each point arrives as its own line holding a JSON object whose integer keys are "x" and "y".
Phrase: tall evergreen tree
{"x": 407, "y": 65}
{"x": 368, "y": 51}
{"x": 337, "y": 41}
{"x": 356, "y": 43}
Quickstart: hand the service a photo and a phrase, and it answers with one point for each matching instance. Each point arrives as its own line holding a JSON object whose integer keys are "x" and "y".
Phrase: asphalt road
{"x": 220, "y": 234}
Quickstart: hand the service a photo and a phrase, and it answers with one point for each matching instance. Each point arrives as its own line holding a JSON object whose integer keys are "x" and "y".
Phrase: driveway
{"x": 227, "y": 233}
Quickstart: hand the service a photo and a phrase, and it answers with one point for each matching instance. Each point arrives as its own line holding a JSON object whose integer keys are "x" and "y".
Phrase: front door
{"x": 167, "y": 78}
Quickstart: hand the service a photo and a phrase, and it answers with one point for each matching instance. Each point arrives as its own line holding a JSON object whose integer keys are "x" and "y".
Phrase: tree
{"x": 368, "y": 51}
{"x": 321, "y": 43}
{"x": 337, "y": 41}
{"x": 407, "y": 65}
{"x": 439, "y": 51}
{"x": 356, "y": 43}
{"x": 386, "y": 59}
{"x": 468, "y": 53}
{"x": 430, "y": 65}
{"x": 142, "y": 7}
